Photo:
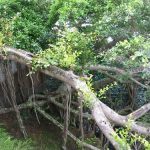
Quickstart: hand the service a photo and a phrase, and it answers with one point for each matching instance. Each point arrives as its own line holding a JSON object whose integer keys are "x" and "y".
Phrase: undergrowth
{"x": 8, "y": 143}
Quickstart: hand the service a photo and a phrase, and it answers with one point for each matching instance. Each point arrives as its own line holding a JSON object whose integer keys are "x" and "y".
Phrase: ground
{"x": 45, "y": 135}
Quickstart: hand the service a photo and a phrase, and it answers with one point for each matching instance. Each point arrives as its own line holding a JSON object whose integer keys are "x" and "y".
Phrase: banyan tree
{"x": 89, "y": 59}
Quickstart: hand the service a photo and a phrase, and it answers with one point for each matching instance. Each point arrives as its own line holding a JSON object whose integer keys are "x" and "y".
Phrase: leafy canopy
{"x": 74, "y": 33}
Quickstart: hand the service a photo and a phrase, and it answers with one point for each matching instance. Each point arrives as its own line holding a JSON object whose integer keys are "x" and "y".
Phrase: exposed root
{"x": 49, "y": 117}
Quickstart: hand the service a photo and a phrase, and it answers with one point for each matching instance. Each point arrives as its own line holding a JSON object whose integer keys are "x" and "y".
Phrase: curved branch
{"x": 139, "y": 112}
{"x": 124, "y": 120}
{"x": 116, "y": 70}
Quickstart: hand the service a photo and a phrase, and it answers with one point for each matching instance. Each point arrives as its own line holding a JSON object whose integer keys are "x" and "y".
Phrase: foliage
{"x": 88, "y": 97}
{"x": 23, "y": 23}
{"x": 8, "y": 143}
{"x": 125, "y": 20}
{"x": 129, "y": 54}
{"x": 102, "y": 92}
{"x": 71, "y": 50}
{"x": 130, "y": 139}
{"x": 29, "y": 24}
{"x": 73, "y": 9}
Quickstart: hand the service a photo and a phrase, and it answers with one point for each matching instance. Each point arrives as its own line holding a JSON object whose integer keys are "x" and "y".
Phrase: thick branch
{"x": 124, "y": 120}
{"x": 139, "y": 112}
